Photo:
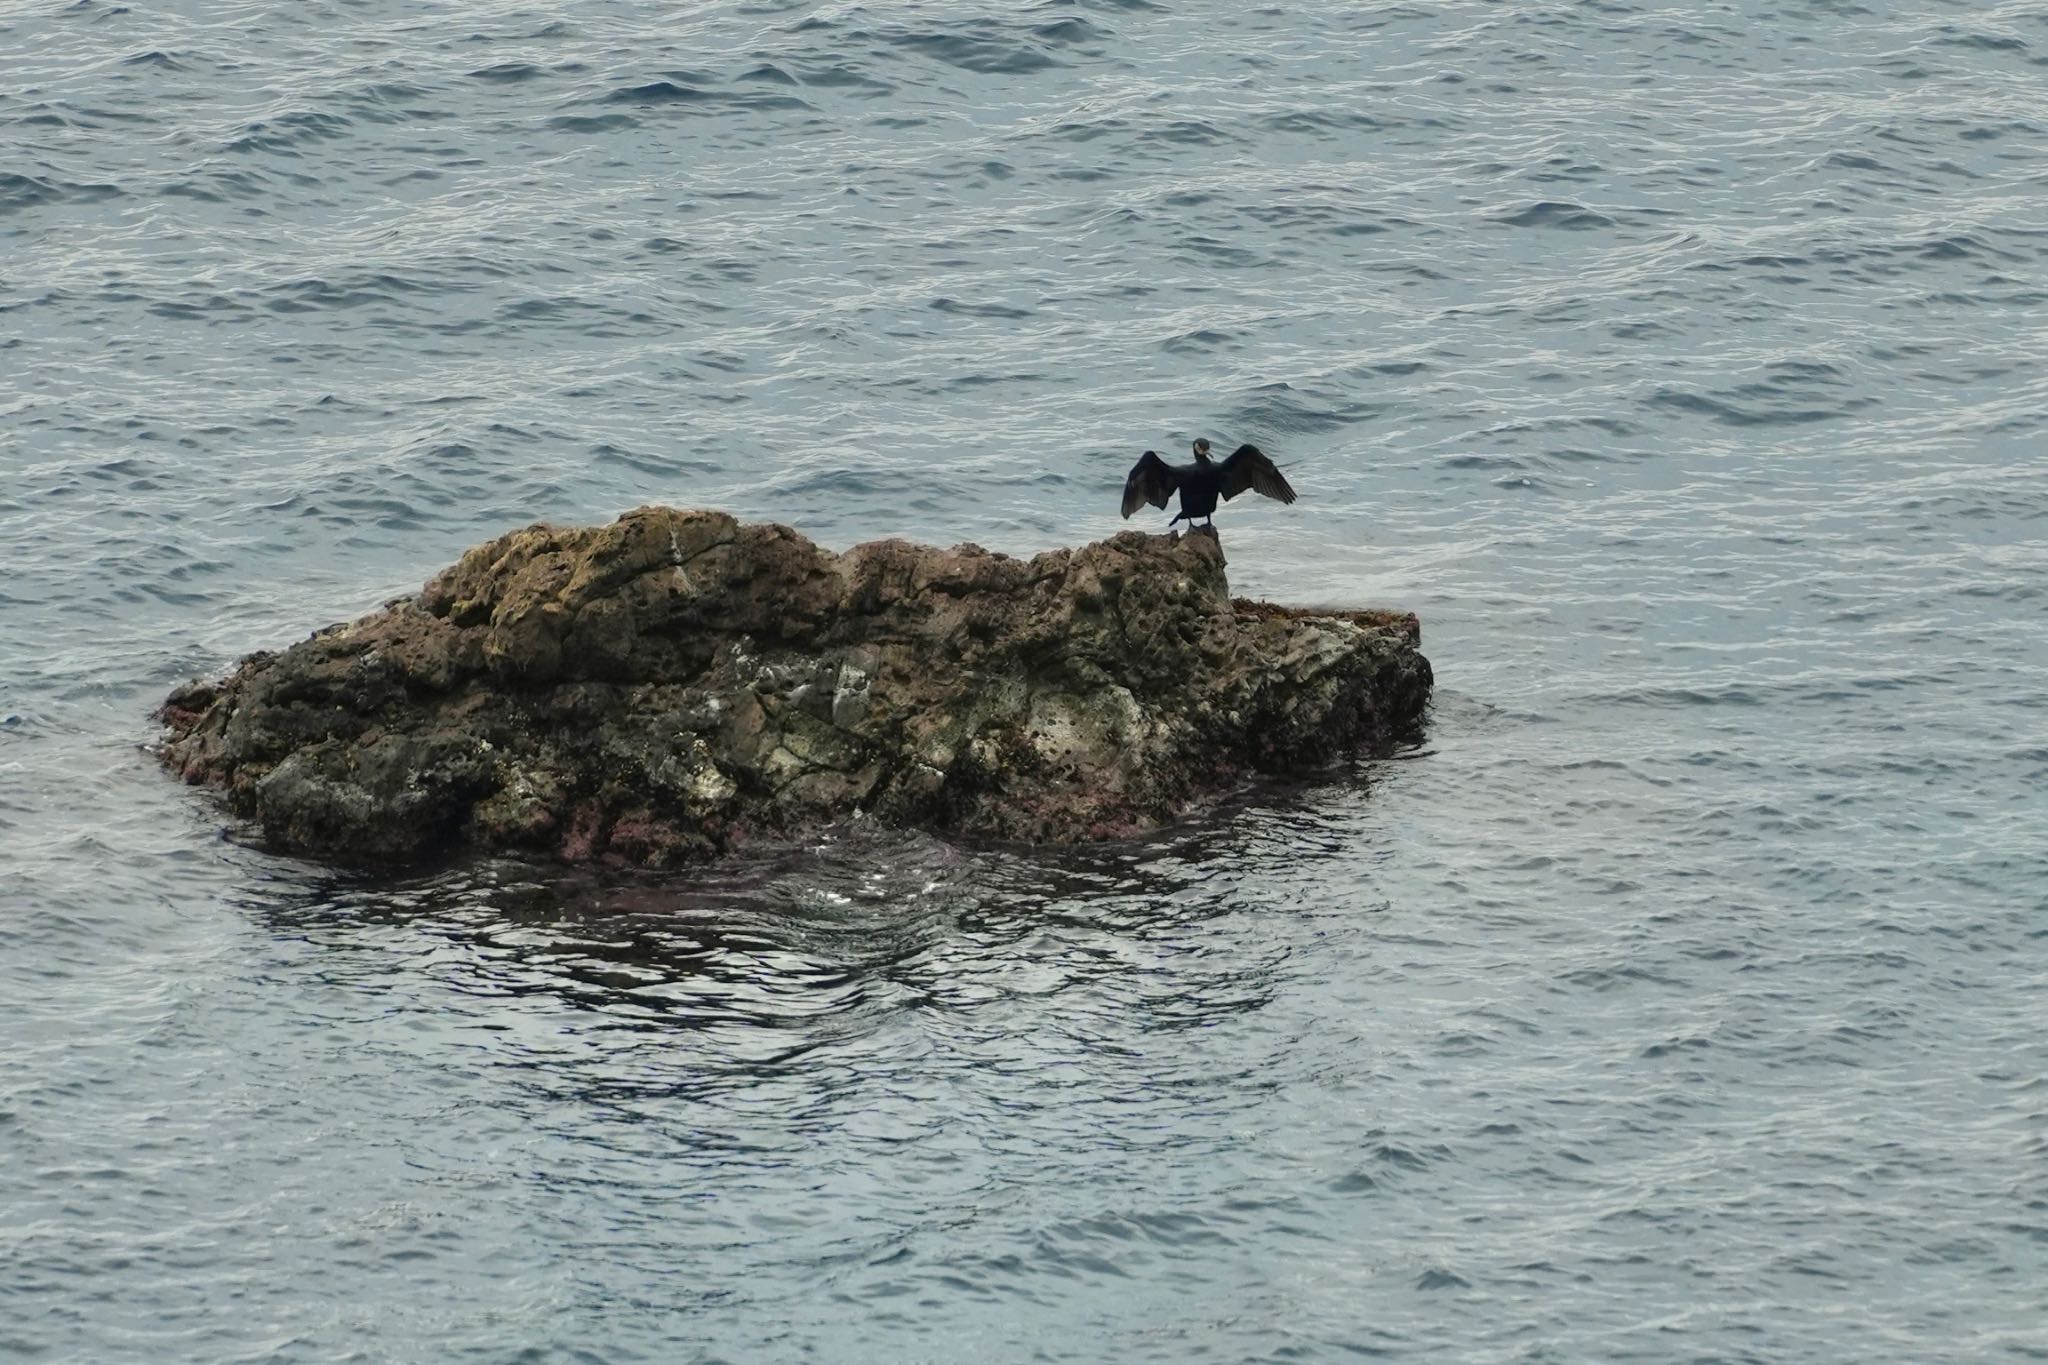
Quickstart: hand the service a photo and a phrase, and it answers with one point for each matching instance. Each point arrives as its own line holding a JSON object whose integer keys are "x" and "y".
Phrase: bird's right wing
{"x": 1152, "y": 480}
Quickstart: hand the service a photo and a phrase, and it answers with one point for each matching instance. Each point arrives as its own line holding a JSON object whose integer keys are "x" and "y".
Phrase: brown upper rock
{"x": 659, "y": 688}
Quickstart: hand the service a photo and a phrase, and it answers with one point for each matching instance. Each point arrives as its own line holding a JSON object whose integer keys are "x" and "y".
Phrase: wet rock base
{"x": 661, "y": 689}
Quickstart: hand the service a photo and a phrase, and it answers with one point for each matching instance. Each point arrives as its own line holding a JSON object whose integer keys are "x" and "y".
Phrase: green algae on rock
{"x": 659, "y": 689}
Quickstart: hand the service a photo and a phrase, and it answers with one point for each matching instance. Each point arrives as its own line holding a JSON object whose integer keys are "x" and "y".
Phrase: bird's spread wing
{"x": 1152, "y": 480}
{"x": 1249, "y": 468}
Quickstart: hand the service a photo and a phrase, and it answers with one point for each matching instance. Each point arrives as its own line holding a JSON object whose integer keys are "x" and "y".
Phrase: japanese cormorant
{"x": 1199, "y": 484}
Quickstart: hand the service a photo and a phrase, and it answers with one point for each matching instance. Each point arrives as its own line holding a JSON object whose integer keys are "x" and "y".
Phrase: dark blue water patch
{"x": 159, "y": 59}
{"x": 1553, "y": 214}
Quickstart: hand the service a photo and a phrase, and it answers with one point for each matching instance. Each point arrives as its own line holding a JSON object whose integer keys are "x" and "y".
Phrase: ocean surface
{"x": 1682, "y": 998}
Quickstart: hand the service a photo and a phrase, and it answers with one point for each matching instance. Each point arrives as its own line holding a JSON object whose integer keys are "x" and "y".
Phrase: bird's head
{"x": 1202, "y": 449}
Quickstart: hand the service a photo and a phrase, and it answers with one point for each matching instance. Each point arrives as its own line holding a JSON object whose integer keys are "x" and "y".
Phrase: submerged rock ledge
{"x": 660, "y": 689}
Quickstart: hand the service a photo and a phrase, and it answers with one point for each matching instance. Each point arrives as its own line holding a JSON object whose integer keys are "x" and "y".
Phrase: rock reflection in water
{"x": 867, "y": 948}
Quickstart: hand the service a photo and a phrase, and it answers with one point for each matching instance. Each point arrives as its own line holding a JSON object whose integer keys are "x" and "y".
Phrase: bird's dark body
{"x": 1202, "y": 484}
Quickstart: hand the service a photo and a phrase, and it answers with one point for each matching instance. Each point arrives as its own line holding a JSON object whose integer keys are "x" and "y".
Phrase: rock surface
{"x": 656, "y": 690}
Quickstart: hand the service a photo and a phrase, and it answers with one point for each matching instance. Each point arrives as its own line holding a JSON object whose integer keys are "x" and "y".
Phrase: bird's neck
{"x": 1202, "y": 457}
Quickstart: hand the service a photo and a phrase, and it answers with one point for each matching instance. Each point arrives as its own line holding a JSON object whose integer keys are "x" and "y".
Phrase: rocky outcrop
{"x": 659, "y": 689}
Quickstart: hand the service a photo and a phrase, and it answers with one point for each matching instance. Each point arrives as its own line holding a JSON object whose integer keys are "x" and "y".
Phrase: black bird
{"x": 1199, "y": 484}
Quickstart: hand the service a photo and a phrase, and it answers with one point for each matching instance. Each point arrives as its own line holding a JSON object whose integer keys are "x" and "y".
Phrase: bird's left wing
{"x": 1248, "y": 467}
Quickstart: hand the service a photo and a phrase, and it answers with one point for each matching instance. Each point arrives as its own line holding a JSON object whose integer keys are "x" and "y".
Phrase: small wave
{"x": 978, "y": 310}
{"x": 1322, "y": 121}
{"x": 1220, "y": 252}
{"x": 768, "y": 72}
{"x": 18, "y": 192}
{"x": 288, "y": 132}
{"x": 660, "y": 466}
{"x": 218, "y": 186}
{"x": 679, "y": 93}
{"x": 1568, "y": 169}
{"x": 661, "y": 92}
{"x": 1554, "y": 214}
{"x": 23, "y": 191}
{"x": 1282, "y": 408}
{"x": 1070, "y": 32}
{"x": 1728, "y": 412}
{"x": 1089, "y": 131}
{"x": 1983, "y": 42}
{"x": 506, "y": 73}
{"x": 317, "y": 295}
{"x": 977, "y": 381}
{"x": 599, "y": 123}
{"x": 842, "y": 77}
{"x": 987, "y": 55}
{"x": 1197, "y": 342}
{"x": 1188, "y": 132}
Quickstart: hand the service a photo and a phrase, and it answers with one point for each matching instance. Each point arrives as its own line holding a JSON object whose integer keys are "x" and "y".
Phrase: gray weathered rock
{"x": 656, "y": 690}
